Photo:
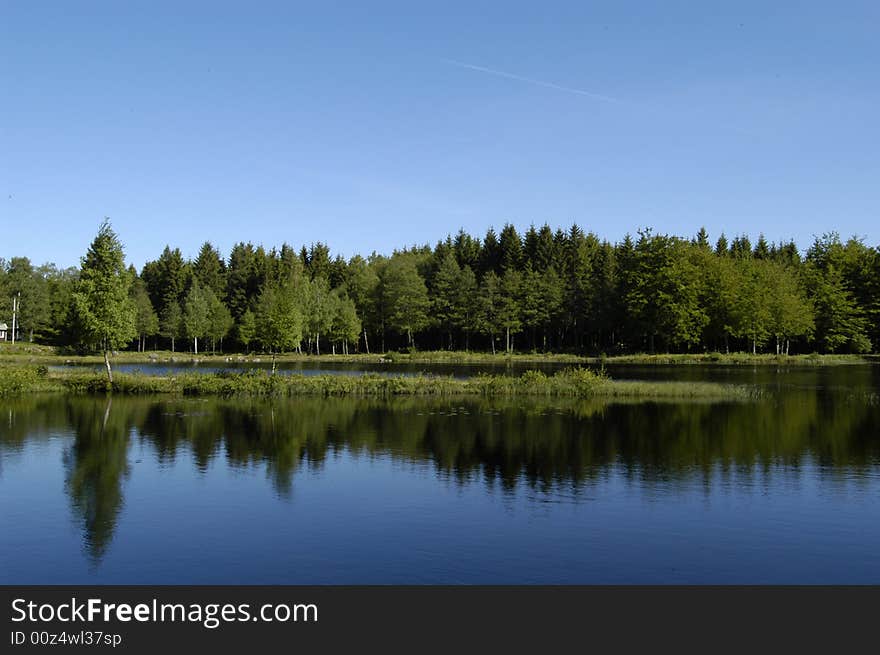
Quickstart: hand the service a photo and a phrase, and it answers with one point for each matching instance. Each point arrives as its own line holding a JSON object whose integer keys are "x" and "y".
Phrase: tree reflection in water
{"x": 545, "y": 445}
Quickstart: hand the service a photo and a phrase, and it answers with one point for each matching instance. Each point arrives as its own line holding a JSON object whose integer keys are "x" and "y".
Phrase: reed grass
{"x": 571, "y": 382}
{"x": 34, "y": 354}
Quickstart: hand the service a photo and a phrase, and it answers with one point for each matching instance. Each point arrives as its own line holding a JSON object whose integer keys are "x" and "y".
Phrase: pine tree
{"x": 210, "y": 269}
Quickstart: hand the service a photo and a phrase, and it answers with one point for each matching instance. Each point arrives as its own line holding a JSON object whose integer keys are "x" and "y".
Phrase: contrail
{"x": 530, "y": 80}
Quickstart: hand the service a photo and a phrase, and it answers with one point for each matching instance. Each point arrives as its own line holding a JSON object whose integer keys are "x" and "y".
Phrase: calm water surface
{"x": 159, "y": 490}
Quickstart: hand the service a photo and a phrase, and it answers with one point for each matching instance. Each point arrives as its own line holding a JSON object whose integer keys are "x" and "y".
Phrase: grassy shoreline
{"x": 573, "y": 383}
{"x": 26, "y": 353}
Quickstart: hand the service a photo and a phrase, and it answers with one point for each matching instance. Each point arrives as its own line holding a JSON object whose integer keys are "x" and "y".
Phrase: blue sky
{"x": 377, "y": 125}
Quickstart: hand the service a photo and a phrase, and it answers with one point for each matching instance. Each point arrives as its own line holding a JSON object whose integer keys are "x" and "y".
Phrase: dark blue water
{"x": 159, "y": 490}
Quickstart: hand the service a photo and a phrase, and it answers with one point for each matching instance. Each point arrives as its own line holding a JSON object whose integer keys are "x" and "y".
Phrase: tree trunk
{"x": 492, "y": 339}
{"x": 366, "y": 343}
{"x": 172, "y": 344}
{"x": 507, "y": 340}
{"x": 107, "y": 364}
{"x": 318, "y": 342}
{"x": 195, "y": 345}
{"x": 274, "y": 363}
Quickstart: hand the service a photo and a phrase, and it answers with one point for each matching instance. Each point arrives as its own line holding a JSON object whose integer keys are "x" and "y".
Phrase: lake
{"x": 160, "y": 490}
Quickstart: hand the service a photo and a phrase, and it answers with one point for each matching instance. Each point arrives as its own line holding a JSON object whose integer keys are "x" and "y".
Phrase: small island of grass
{"x": 571, "y": 382}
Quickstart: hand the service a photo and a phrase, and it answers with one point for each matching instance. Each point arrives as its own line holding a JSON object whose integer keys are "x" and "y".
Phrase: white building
{"x": 3, "y": 329}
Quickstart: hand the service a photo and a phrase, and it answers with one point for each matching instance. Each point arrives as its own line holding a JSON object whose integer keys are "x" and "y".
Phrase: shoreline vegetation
{"x": 570, "y": 382}
{"x": 511, "y": 293}
{"x": 28, "y": 353}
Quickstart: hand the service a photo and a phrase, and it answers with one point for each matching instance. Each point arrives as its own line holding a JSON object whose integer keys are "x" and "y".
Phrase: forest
{"x": 541, "y": 291}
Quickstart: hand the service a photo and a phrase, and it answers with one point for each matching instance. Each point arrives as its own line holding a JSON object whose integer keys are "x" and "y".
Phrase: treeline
{"x": 562, "y": 291}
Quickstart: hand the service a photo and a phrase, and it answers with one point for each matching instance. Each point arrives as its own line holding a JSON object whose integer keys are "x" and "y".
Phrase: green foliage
{"x": 835, "y": 274}
{"x": 16, "y": 380}
{"x": 210, "y": 270}
{"x": 279, "y": 320}
{"x": 404, "y": 296}
{"x": 219, "y": 318}
{"x": 247, "y": 328}
{"x": 346, "y": 326}
{"x": 196, "y": 319}
{"x": 562, "y": 291}
{"x": 146, "y": 320}
{"x": 318, "y": 308}
{"x": 171, "y": 321}
{"x": 105, "y": 312}
{"x": 573, "y": 382}
{"x": 445, "y": 294}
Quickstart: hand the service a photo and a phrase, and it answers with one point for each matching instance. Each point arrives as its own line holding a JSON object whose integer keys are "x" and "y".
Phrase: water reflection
{"x": 563, "y": 446}
{"x": 96, "y": 466}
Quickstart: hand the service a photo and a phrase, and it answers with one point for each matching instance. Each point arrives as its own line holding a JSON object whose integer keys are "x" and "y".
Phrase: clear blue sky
{"x": 376, "y": 125}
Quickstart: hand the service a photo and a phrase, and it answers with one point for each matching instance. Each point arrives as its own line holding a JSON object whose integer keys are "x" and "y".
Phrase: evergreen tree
{"x": 702, "y": 240}
{"x": 762, "y": 249}
{"x": 490, "y": 257}
{"x": 210, "y": 269}
{"x": 467, "y": 250}
{"x": 243, "y": 281}
{"x": 545, "y": 251}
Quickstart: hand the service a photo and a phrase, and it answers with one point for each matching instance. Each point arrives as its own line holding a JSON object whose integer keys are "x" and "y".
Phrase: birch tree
{"x": 105, "y": 312}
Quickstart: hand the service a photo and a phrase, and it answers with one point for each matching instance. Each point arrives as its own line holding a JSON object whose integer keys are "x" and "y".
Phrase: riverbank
{"x": 574, "y": 382}
{"x": 26, "y": 353}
